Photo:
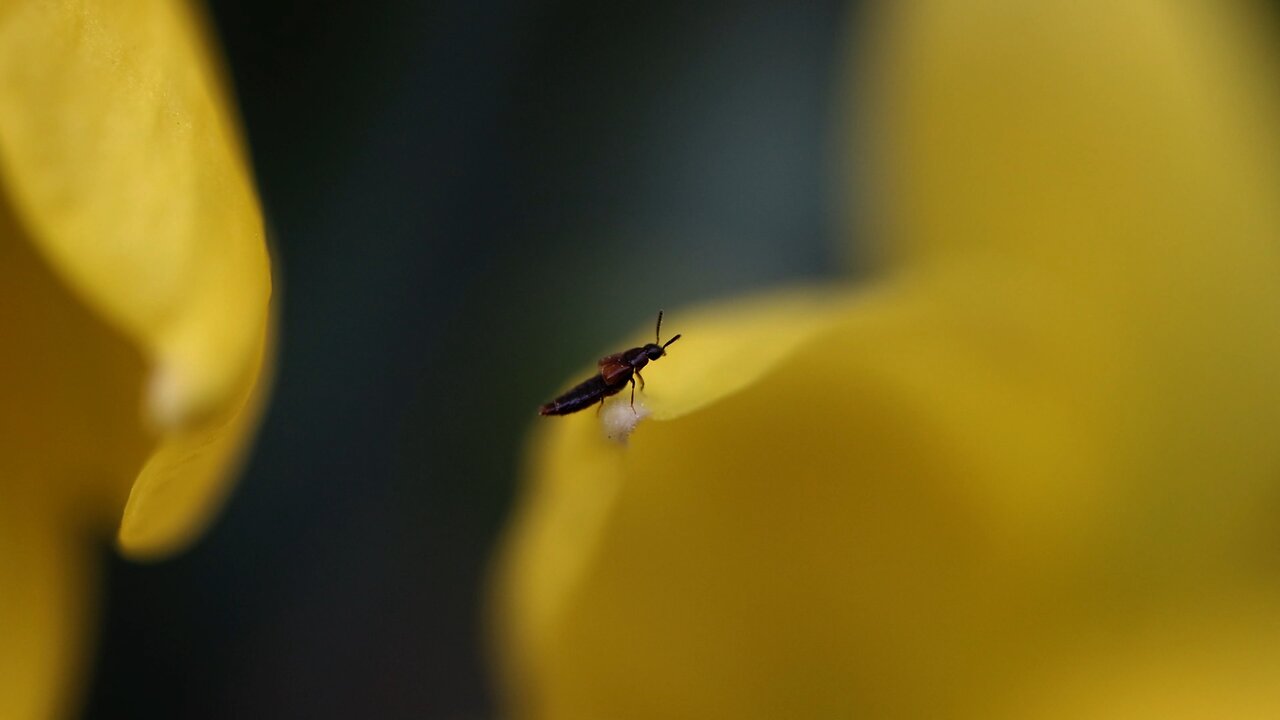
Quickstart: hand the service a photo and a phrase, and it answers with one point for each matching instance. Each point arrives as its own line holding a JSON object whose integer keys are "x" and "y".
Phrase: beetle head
{"x": 655, "y": 351}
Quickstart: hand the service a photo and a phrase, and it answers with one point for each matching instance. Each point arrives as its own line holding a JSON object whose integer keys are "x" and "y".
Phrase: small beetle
{"x": 615, "y": 372}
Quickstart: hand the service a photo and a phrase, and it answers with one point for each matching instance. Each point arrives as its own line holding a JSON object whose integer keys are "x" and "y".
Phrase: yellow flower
{"x": 134, "y": 319}
{"x": 1033, "y": 471}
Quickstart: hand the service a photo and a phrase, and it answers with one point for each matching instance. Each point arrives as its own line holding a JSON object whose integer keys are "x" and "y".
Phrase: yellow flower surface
{"x": 1031, "y": 471}
{"x": 134, "y": 314}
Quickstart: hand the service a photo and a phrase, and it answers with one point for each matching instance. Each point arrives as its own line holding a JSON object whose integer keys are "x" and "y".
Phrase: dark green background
{"x": 469, "y": 201}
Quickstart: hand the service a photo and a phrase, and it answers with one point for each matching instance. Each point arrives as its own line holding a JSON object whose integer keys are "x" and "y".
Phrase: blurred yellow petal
{"x": 734, "y": 348}
{"x": 186, "y": 479}
{"x": 49, "y": 587}
{"x": 70, "y": 445}
{"x": 123, "y": 163}
{"x": 1032, "y": 473}
{"x": 134, "y": 328}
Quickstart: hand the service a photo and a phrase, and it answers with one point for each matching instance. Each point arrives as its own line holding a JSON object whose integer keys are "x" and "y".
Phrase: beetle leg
{"x": 641, "y": 380}
{"x": 599, "y": 407}
{"x": 633, "y": 396}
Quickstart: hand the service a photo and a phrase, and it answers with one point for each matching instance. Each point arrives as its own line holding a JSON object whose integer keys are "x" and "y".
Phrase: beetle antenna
{"x": 657, "y": 332}
{"x": 677, "y": 337}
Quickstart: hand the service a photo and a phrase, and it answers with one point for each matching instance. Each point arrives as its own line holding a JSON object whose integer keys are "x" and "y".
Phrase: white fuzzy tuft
{"x": 165, "y": 397}
{"x": 618, "y": 420}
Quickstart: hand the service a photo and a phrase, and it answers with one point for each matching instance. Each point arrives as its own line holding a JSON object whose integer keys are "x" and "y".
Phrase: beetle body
{"x": 582, "y": 396}
{"x": 615, "y": 372}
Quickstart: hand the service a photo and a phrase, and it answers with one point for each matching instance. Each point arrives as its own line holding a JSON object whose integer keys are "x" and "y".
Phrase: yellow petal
{"x": 1025, "y": 130}
{"x": 122, "y": 158}
{"x": 124, "y": 167}
{"x": 45, "y": 610}
{"x": 1033, "y": 474}
{"x": 186, "y": 480}
{"x": 70, "y": 446}
{"x": 731, "y": 349}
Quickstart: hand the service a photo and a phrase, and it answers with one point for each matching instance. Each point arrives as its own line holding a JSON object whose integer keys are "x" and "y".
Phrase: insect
{"x": 615, "y": 371}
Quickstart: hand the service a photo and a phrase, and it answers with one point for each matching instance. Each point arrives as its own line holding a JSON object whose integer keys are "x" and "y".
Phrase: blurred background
{"x": 469, "y": 201}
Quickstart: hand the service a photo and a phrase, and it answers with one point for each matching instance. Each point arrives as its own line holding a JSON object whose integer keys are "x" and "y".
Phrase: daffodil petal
{"x": 184, "y": 484}
{"x": 722, "y": 350}
{"x": 1208, "y": 663}
{"x": 121, "y": 157}
{"x": 888, "y": 508}
{"x": 756, "y": 557}
{"x": 1049, "y": 132}
{"x": 69, "y": 389}
{"x": 45, "y": 610}
{"x": 754, "y": 516}
{"x": 70, "y": 447}
{"x": 1088, "y": 191}
{"x": 1033, "y": 475}
{"x": 123, "y": 164}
